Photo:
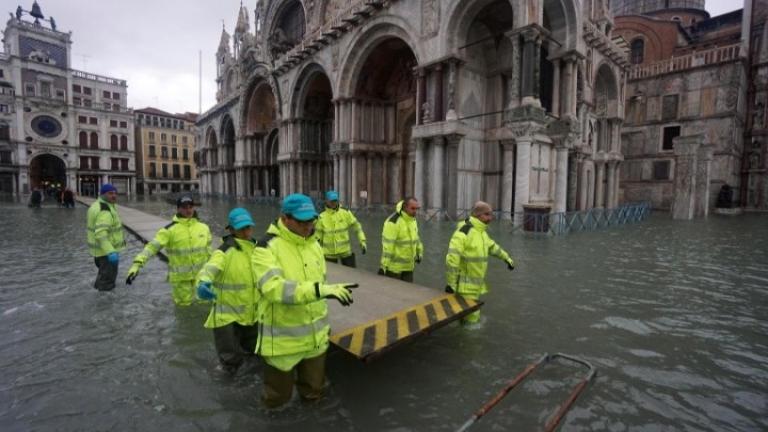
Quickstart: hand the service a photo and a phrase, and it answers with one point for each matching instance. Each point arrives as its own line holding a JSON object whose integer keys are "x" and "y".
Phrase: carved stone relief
{"x": 430, "y": 17}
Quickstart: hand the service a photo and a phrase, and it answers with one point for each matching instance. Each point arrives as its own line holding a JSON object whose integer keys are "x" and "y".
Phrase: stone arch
{"x": 461, "y": 18}
{"x": 259, "y": 114}
{"x": 47, "y": 169}
{"x": 302, "y": 87}
{"x": 562, "y": 21}
{"x": 357, "y": 54}
{"x": 227, "y": 153}
{"x": 286, "y": 25}
{"x": 606, "y": 93}
{"x": 489, "y": 55}
{"x": 209, "y": 157}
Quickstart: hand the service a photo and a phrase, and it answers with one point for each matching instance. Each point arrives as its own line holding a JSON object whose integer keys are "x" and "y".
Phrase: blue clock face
{"x": 46, "y": 126}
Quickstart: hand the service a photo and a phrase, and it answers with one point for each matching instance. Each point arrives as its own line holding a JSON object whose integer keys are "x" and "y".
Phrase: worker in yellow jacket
{"x": 332, "y": 231}
{"x": 401, "y": 246}
{"x": 105, "y": 237}
{"x": 289, "y": 269}
{"x": 467, "y": 259}
{"x": 227, "y": 279}
{"x": 187, "y": 244}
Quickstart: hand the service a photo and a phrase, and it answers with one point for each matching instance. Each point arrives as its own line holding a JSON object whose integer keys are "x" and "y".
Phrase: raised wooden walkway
{"x": 386, "y": 312}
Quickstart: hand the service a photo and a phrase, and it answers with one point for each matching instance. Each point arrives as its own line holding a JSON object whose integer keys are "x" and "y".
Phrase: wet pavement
{"x": 673, "y": 314}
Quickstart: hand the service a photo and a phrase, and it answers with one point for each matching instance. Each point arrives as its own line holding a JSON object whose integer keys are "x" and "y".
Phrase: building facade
{"x": 695, "y": 118}
{"x": 58, "y": 126}
{"x": 516, "y": 102}
{"x": 165, "y": 147}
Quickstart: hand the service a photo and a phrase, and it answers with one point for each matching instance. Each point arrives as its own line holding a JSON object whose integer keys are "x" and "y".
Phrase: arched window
{"x": 94, "y": 140}
{"x": 113, "y": 142}
{"x": 83, "y": 139}
{"x": 124, "y": 143}
{"x": 638, "y": 51}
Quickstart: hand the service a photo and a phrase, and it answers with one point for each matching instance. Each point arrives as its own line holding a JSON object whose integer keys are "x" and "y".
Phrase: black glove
{"x": 381, "y": 271}
{"x": 449, "y": 290}
{"x": 510, "y": 266}
{"x": 418, "y": 259}
{"x": 341, "y": 292}
{"x": 363, "y": 249}
{"x": 133, "y": 272}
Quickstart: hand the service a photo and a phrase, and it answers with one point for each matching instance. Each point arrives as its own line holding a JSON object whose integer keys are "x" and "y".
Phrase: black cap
{"x": 185, "y": 199}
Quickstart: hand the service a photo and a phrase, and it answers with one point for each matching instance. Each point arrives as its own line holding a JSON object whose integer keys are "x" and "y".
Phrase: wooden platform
{"x": 386, "y": 312}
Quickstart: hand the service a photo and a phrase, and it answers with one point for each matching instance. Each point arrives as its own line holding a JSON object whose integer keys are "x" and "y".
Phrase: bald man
{"x": 467, "y": 259}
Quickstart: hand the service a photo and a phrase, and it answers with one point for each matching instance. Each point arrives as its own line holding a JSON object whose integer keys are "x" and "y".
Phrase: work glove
{"x": 113, "y": 257}
{"x": 449, "y": 289}
{"x": 418, "y": 259}
{"x": 132, "y": 273}
{"x": 510, "y": 265}
{"x": 341, "y": 292}
{"x": 380, "y": 272}
{"x": 363, "y": 249}
{"x": 205, "y": 291}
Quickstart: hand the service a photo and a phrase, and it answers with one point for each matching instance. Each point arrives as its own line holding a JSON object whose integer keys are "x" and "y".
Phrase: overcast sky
{"x": 154, "y": 44}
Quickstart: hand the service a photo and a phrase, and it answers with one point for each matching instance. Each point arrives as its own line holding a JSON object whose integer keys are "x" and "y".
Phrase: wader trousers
{"x": 105, "y": 280}
{"x": 310, "y": 378}
{"x": 348, "y": 261}
{"x": 234, "y": 343}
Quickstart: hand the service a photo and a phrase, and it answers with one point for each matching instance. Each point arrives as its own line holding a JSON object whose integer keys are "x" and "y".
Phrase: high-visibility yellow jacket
{"x": 332, "y": 231}
{"x": 467, "y": 259}
{"x": 292, "y": 318}
{"x": 187, "y": 244}
{"x": 231, "y": 275}
{"x": 105, "y": 230}
{"x": 400, "y": 242}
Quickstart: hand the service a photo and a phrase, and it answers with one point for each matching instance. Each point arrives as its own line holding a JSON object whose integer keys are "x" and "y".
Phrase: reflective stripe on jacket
{"x": 187, "y": 244}
{"x": 332, "y": 231}
{"x": 400, "y": 242}
{"x": 229, "y": 270}
{"x": 105, "y": 230}
{"x": 467, "y": 259}
{"x": 286, "y": 268}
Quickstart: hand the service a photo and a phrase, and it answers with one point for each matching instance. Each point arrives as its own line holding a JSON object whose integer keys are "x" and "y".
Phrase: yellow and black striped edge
{"x": 371, "y": 339}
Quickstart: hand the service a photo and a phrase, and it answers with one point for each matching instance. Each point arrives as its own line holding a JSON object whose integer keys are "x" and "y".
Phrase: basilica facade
{"x": 516, "y": 102}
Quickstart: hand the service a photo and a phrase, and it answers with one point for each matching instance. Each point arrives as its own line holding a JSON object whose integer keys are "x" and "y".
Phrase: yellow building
{"x": 165, "y": 144}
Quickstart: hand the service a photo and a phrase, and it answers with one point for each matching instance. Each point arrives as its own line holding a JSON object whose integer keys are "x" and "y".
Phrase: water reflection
{"x": 673, "y": 314}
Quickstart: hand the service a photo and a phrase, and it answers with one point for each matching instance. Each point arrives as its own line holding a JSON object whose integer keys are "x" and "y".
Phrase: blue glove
{"x": 113, "y": 257}
{"x": 205, "y": 292}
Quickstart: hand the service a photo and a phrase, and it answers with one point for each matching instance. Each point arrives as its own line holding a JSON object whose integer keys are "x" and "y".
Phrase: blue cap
{"x": 332, "y": 195}
{"x": 299, "y": 207}
{"x": 107, "y": 187}
{"x": 240, "y": 218}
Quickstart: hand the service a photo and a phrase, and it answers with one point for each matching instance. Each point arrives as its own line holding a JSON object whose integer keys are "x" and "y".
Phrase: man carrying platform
{"x": 187, "y": 244}
{"x": 400, "y": 242}
{"x": 105, "y": 237}
{"x": 289, "y": 267}
{"x": 332, "y": 231}
{"x": 467, "y": 260}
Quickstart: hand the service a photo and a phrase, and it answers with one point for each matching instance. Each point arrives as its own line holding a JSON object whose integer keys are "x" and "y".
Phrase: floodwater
{"x": 673, "y": 314}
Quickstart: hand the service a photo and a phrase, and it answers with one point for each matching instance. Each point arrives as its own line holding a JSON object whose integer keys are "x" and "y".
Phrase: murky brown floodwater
{"x": 674, "y": 315}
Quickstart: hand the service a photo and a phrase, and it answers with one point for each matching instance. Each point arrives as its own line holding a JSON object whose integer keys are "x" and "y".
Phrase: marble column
{"x": 561, "y": 185}
{"x": 335, "y": 184}
{"x": 703, "y": 180}
{"x": 438, "y": 108}
{"x": 507, "y": 179}
{"x": 421, "y": 95}
{"x": 530, "y": 66}
{"x": 438, "y": 172}
{"x": 583, "y": 185}
{"x": 599, "y": 188}
{"x": 522, "y": 178}
{"x": 385, "y": 178}
{"x": 369, "y": 178}
{"x": 556, "y": 88}
{"x": 418, "y": 180}
{"x": 611, "y": 201}
{"x": 354, "y": 171}
{"x": 684, "y": 202}
{"x": 343, "y": 184}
